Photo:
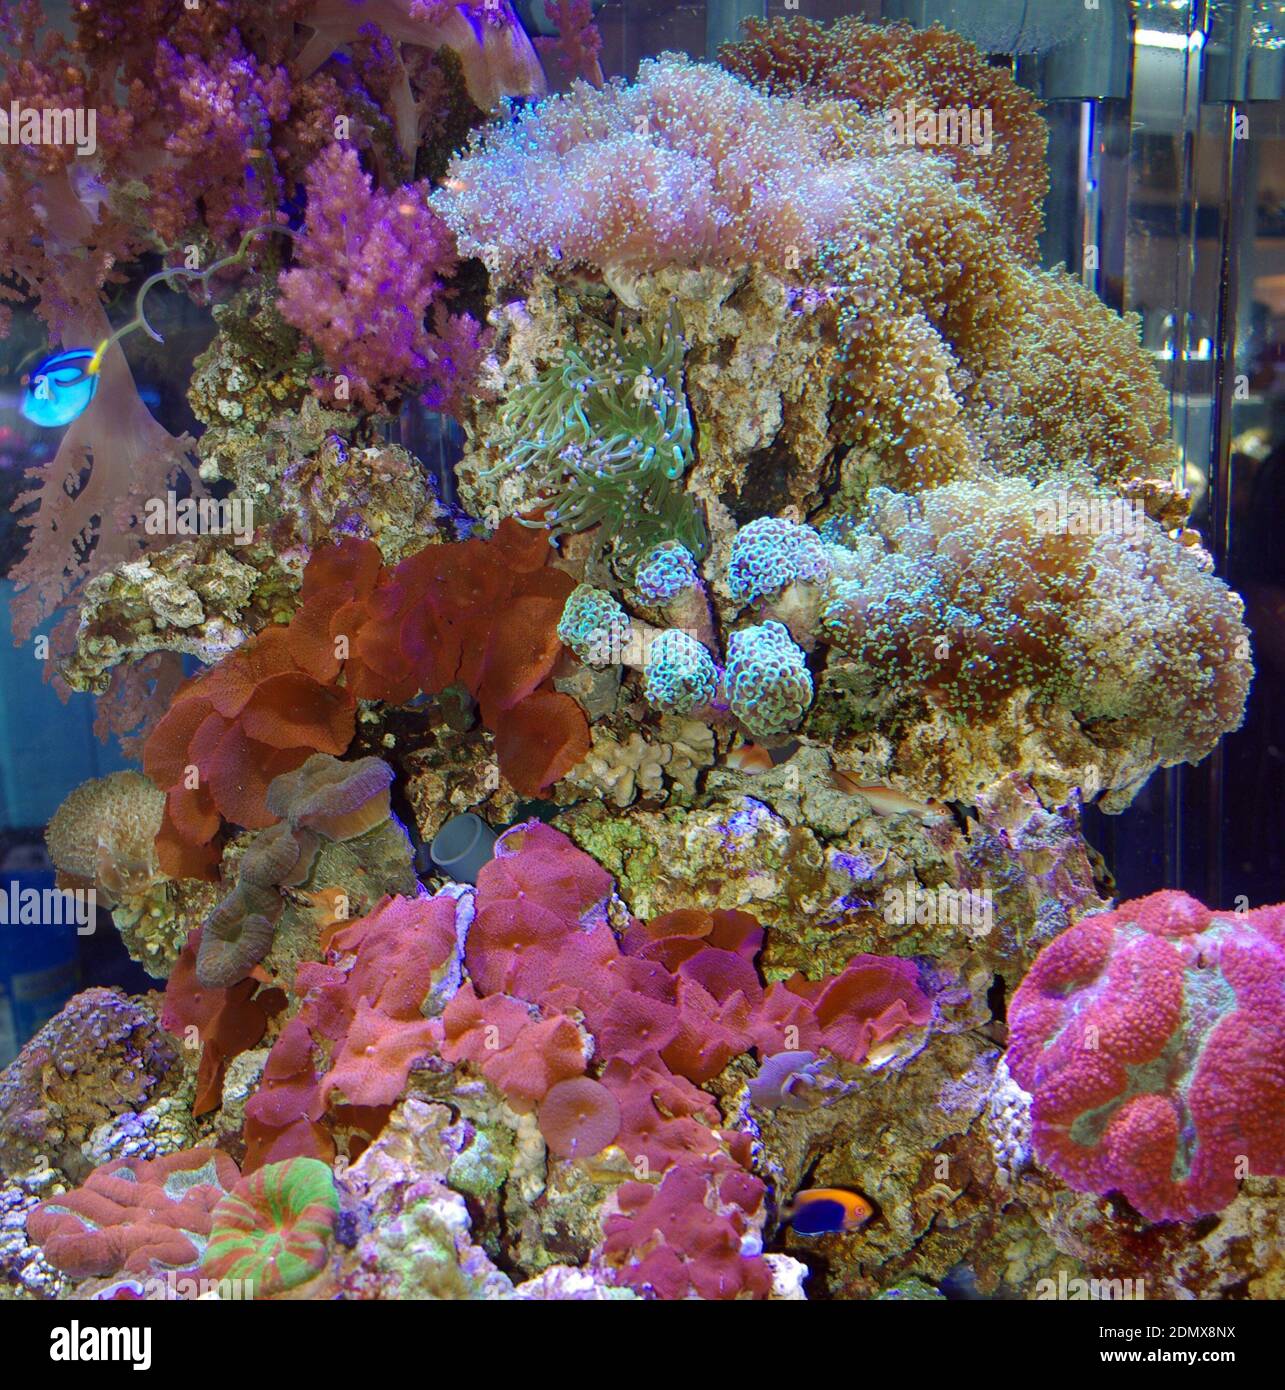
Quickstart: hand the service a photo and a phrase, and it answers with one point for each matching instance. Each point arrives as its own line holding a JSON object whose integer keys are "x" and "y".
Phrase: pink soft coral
{"x": 371, "y": 269}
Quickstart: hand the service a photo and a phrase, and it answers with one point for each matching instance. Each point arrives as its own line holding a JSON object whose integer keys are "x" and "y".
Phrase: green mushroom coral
{"x": 273, "y": 1231}
{"x": 608, "y": 434}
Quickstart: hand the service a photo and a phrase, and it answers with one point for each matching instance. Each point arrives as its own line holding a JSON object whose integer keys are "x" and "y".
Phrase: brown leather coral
{"x": 339, "y": 800}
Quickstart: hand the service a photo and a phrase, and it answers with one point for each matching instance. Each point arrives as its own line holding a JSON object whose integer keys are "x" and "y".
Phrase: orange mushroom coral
{"x": 479, "y": 613}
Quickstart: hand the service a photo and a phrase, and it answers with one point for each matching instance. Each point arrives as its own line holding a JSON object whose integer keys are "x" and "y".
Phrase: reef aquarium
{"x": 647, "y": 653}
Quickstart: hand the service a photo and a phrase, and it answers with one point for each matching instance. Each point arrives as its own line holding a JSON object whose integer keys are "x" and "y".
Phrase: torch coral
{"x": 272, "y": 1232}
{"x": 1150, "y": 1039}
{"x": 136, "y": 1217}
{"x": 357, "y": 243}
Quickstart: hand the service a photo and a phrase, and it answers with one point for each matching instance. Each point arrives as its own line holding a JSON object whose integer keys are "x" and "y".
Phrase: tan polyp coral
{"x": 972, "y": 616}
{"x": 103, "y": 834}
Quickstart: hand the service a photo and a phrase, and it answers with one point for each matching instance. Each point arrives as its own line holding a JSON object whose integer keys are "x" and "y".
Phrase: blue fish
{"x": 60, "y": 389}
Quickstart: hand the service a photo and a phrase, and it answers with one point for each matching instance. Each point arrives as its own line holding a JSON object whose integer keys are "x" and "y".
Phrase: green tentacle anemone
{"x": 608, "y": 434}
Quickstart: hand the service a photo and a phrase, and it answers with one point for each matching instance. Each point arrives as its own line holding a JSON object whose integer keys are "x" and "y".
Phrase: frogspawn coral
{"x": 970, "y": 593}
{"x": 1151, "y": 1040}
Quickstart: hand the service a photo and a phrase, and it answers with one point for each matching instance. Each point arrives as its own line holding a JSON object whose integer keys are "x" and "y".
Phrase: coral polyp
{"x": 607, "y": 435}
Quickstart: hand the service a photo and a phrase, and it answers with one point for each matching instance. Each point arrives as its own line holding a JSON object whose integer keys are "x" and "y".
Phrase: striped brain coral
{"x": 1151, "y": 1040}
{"x": 273, "y": 1231}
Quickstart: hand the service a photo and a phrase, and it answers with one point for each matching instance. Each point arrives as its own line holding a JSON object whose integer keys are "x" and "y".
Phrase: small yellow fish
{"x": 886, "y": 801}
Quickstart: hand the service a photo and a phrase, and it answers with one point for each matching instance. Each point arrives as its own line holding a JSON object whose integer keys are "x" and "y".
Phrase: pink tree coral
{"x": 1151, "y": 1039}
{"x": 370, "y": 269}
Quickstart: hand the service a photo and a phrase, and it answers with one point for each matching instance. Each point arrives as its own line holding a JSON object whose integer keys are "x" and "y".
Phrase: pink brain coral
{"x": 135, "y": 1216}
{"x": 1152, "y": 1040}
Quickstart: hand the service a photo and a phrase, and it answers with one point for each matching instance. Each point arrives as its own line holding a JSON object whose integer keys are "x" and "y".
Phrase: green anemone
{"x": 608, "y": 435}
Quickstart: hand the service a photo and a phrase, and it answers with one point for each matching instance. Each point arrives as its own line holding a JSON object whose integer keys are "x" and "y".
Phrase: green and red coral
{"x": 272, "y": 1232}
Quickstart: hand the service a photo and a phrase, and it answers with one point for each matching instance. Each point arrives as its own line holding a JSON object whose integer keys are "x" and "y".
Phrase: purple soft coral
{"x": 371, "y": 268}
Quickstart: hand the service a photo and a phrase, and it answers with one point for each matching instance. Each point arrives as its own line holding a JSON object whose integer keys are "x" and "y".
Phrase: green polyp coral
{"x": 608, "y": 433}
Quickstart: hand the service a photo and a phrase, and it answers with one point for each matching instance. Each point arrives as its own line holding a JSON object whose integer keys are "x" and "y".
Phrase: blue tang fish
{"x": 60, "y": 389}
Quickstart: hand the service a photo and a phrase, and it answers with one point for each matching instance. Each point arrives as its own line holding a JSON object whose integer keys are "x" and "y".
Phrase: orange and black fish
{"x": 825, "y": 1211}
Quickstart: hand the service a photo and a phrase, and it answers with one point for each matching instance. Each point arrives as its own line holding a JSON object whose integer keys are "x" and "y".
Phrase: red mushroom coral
{"x": 480, "y": 613}
{"x": 579, "y": 1118}
{"x": 696, "y": 1234}
{"x": 227, "y": 1021}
